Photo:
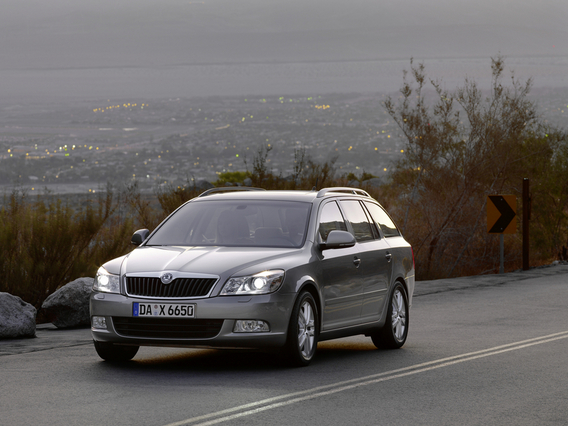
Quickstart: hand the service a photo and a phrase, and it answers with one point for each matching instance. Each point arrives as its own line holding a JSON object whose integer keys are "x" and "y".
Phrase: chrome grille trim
{"x": 179, "y": 288}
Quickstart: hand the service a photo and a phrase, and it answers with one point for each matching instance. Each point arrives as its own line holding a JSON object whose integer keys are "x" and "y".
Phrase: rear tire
{"x": 115, "y": 353}
{"x": 302, "y": 339}
{"x": 393, "y": 334}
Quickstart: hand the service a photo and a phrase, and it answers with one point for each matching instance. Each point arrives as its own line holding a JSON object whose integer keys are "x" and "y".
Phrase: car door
{"x": 374, "y": 256}
{"x": 388, "y": 230}
{"x": 341, "y": 286}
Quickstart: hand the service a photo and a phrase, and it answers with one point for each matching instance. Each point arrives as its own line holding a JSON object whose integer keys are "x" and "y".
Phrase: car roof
{"x": 245, "y": 193}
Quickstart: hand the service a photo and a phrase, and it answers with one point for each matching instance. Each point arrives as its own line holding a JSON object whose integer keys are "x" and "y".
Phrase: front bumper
{"x": 212, "y": 326}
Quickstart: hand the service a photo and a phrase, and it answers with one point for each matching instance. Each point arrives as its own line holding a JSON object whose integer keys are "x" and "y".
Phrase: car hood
{"x": 219, "y": 261}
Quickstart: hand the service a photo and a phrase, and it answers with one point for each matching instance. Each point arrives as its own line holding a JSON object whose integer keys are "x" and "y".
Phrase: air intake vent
{"x": 167, "y": 328}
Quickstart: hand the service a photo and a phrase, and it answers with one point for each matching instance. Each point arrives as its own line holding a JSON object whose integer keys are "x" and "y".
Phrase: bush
{"x": 45, "y": 244}
{"x": 460, "y": 148}
{"x": 231, "y": 177}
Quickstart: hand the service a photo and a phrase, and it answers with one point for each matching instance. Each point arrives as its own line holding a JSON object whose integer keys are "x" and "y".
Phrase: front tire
{"x": 115, "y": 353}
{"x": 394, "y": 332}
{"x": 302, "y": 339}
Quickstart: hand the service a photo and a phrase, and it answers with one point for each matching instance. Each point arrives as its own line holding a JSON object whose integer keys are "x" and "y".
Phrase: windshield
{"x": 235, "y": 223}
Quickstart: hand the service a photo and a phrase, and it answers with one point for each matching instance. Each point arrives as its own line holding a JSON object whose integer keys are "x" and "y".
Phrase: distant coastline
{"x": 28, "y": 86}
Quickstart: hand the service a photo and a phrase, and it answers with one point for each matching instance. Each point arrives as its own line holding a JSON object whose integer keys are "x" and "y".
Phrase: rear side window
{"x": 383, "y": 220}
{"x": 330, "y": 219}
{"x": 358, "y": 219}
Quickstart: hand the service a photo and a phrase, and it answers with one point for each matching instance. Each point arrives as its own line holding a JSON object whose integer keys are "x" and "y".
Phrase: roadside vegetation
{"x": 460, "y": 146}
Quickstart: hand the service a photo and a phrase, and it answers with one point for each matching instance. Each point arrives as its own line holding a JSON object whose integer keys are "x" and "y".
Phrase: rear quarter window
{"x": 383, "y": 220}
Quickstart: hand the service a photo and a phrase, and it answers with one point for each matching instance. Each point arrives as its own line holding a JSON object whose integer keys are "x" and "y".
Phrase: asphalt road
{"x": 481, "y": 350}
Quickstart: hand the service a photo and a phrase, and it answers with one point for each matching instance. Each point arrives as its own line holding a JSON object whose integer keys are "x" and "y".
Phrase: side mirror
{"x": 338, "y": 239}
{"x": 139, "y": 236}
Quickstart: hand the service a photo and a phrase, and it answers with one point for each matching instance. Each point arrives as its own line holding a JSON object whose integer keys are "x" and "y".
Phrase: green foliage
{"x": 171, "y": 197}
{"x": 260, "y": 173}
{"x": 232, "y": 177}
{"x": 549, "y": 216}
{"x": 307, "y": 173}
{"x": 142, "y": 206}
{"x": 364, "y": 176}
{"x": 44, "y": 245}
{"x": 461, "y": 147}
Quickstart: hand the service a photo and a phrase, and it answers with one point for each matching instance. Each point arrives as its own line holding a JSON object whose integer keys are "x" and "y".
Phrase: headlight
{"x": 261, "y": 283}
{"x": 106, "y": 282}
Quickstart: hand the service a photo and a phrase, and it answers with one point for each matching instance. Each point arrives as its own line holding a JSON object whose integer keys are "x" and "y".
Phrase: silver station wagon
{"x": 256, "y": 269}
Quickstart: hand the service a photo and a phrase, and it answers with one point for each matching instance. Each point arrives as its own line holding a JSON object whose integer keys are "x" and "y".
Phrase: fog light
{"x": 99, "y": 322}
{"x": 250, "y": 326}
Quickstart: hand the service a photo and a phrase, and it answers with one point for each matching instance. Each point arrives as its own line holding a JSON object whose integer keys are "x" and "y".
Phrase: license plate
{"x": 164, "y": 310}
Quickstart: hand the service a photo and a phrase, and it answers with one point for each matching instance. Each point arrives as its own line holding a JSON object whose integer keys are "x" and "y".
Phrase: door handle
{"x": 356, "y": 262}
{"x": 388, "y": 256}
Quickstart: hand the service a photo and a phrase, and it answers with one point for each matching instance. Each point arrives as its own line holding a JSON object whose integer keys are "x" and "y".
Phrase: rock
{"x": 248, "y": 182}
{"x": 353, "y": 184}
{"x": 17, "y": 318}
{"x": 69, "y": 306}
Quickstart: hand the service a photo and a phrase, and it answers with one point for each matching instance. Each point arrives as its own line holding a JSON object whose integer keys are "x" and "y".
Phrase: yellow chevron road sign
{"x": 501, "y": 214}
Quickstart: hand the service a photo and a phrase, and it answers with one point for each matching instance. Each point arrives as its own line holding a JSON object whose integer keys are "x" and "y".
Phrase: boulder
{"x": 17, "y": 318}
{"x": 247, "y": 182}
{"x": 69, "y": 306}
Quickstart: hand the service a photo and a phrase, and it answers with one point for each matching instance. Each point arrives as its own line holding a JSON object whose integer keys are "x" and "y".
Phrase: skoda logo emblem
{"x": 167, "y": 278}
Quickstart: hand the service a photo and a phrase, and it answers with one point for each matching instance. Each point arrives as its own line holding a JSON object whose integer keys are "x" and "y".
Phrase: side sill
{"x": 366, "y": 329}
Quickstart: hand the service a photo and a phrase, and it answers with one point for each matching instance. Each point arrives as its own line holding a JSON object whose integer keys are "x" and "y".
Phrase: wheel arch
{"x": 310, "y": 286}
{"x": 404, "y": 285}
{"x": 402, "y": 281}
{"x": 398, "y": 280}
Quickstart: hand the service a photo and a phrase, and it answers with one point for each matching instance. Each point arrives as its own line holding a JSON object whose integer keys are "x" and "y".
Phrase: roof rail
{"x": 229, "y": 189}
{"x": 354, "y": 191}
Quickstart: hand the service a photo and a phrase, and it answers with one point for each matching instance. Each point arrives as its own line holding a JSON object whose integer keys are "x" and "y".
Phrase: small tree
{"x": 460, "y": 148}
{"x": 549, "y": 217}
{"x": 260, "y": 170}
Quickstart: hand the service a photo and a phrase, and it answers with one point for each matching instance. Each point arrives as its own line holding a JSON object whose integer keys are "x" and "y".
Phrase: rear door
{"x": 342, "y": 284}
{"x": 374, "y": 260}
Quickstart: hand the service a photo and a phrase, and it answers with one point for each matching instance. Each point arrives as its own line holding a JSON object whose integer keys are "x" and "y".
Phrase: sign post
{"x": 501, "y": 219}
{"x": 526, "y": 219}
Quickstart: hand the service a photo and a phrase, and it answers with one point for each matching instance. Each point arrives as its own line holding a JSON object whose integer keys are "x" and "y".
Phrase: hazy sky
{"x": 92, "y": 35}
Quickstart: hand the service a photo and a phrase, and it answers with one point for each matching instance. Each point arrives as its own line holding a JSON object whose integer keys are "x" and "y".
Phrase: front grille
{"x": 180, "y": 287}
{"x": 167, "y": 328}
